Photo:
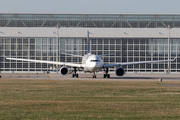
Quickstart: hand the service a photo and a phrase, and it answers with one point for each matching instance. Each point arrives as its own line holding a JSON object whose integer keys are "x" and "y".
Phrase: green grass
{"x": 43, "y": 99}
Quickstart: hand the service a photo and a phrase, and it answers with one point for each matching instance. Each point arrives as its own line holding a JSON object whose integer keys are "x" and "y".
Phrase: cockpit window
{"x": 94, "y": 60}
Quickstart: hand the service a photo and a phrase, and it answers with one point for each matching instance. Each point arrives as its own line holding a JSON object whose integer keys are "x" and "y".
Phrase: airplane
{"x": 90, "y": 63}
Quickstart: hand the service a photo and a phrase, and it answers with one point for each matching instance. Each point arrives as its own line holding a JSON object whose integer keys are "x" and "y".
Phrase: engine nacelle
{"x": 120, "y": 71}
{"x": 64, "y": 70}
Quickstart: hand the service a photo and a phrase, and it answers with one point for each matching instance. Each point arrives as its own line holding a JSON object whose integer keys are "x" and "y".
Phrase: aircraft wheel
{"x": 104, "y": 75}
{"x": 73, "y": 75}
{"x": 108, "y": 76}
{"x": 77, "y": 75}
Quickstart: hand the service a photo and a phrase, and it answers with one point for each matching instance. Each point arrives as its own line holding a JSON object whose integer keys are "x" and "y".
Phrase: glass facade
{"x": 91, "y": 20}
{"x": 125, "y": 50}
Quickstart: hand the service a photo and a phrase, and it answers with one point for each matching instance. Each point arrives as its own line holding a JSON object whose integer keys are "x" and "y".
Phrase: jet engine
{"x": 120, "y": 71}
{"x": 64, "y": 70}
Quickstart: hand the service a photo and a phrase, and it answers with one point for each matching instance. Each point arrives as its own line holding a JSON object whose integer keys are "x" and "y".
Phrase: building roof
{"x": 92, "y": 20}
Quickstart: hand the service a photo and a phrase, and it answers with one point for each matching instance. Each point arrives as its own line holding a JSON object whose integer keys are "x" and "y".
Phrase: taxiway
{"x": 83, "y": 76}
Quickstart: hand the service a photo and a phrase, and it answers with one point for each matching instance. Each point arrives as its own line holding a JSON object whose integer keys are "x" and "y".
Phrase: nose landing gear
{"x": 94, "y": 76}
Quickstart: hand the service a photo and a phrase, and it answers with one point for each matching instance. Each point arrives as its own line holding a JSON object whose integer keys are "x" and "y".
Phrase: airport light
{"x": 1, "y": 32}
{"x": 19, "y": 32}
{"x": 161, "y": 33}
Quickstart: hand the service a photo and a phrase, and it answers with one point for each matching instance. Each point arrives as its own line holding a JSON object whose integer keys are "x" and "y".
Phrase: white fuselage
{"x": 92, "y": 63}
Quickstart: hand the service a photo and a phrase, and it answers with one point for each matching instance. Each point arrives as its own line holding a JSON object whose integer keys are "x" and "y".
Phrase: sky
{"x": 90, "y": 6}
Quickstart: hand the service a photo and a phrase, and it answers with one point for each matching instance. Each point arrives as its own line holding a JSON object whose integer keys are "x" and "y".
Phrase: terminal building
{"x": 131, "y": 37}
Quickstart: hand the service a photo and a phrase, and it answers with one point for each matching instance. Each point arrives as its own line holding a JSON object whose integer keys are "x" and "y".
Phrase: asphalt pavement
{"x": 88, "y": 76}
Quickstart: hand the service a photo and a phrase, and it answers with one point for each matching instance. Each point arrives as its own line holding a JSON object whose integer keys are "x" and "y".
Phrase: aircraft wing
{"x": 133, "y": 63}
{"x": 48, "y": 62}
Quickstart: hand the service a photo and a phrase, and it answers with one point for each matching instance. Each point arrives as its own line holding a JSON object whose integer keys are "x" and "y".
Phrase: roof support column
{"x": 168, "y": 48}
{"x": 57, "y": 47}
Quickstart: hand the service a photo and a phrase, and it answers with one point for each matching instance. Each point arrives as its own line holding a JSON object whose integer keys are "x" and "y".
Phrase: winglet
{"x": 4, "y": 56}
{"x": 174, "y": 58}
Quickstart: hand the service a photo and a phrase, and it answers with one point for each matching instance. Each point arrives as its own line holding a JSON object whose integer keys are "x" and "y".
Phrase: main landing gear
{"x": 106, "y": 75}
{"x": 75, "y": 74}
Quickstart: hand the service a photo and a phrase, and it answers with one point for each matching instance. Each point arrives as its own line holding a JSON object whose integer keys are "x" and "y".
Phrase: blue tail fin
{"x": 88, "y": 42}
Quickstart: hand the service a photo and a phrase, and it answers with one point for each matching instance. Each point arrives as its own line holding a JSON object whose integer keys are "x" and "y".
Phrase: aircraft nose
{"x": 94, "y": 64}
{"x": 93, "y": 67}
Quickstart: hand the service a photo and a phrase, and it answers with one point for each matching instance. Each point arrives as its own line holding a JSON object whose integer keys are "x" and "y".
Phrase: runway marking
{"x": 88, "y": 76}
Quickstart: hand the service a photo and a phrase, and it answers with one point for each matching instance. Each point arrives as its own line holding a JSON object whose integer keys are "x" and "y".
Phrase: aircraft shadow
{"x": 121, "y": 77}
{"x": 170, "y": 78}
{"x": 132, "y": 78}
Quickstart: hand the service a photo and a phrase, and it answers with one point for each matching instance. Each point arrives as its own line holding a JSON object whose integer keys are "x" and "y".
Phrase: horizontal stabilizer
{"x": 72, "y": 55}
{"x": 106, "y": 54}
